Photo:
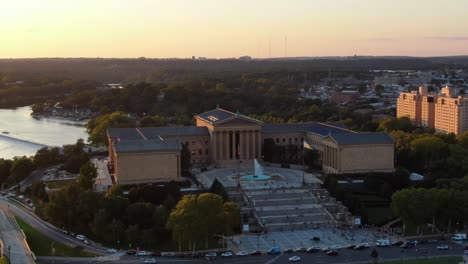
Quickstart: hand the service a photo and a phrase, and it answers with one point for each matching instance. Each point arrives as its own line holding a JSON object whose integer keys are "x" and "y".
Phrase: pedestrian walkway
{"x": 16, "y": 247}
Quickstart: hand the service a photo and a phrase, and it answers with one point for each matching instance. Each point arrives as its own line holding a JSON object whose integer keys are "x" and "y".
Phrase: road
{"x": 46, "y": 228}
{"x": 344, "y": 256}
{"x": 15, "y": 246}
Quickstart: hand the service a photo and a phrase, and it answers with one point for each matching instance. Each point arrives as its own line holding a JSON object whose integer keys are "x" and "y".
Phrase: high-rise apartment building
{"x": 445, "y": 112}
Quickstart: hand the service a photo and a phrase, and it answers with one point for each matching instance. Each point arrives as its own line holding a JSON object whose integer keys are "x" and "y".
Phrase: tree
{"x": 88, "y": 173}
{"x": 427, "y": 150}
{"x": 45, "y": 157}
{"x": 392, "y": 124}
{"x": 5, "y": 167}
{"x": 115, "y": 191}
{"x": 38, "y": 190}
{"x": 153, "y": 121}
{"x": 97, "y": 128}
{"x": 197, "y": 217}
{"x": 75, "y": 156}
{"x": 21, "y": 167}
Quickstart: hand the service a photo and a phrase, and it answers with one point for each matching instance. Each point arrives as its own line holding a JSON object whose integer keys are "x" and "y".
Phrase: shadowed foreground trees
{"x": 196, "y": 218}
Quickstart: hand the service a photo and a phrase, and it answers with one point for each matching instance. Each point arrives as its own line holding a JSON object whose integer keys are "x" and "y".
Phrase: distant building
{"x": 445, "y": 112}
{"x": 245, "y": 58}
{"x": 344, "y": 96}
{"x": 224, "y": 139}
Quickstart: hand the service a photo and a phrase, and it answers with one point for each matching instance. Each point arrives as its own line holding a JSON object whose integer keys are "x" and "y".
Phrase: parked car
{"x": 407, "y": 245}
{"x": 313, "y": 249}
{"x": 211, "y": 255}
{"x": 295, "y": 259}
{"x": 143, "y": 253}
{"x": 131, "y": 252}
{"x": 332, "y": 252}
{"x": 442, "y": 247}
{"x": 242, "y": 253}
{"x": 227, "y": 254}
{"x": 350, "y": 246}
{"x": 81, "y": 237}
{"x": 288, "y": 250}
{"x": 274, "y": 251}
{"x": 150, "y": 260}
{"x": 301, "y": 249}
{"x": 362, "y": 246}
{"x": 383, "y": 243}
{"x": 458, "y": 237}
{"x": 111, "y": 250}
{"x": 397, "y": 243}
{"x": 255, "y": 253}
{"x": 315, "y": 238}
{"x": 86, "y": 242}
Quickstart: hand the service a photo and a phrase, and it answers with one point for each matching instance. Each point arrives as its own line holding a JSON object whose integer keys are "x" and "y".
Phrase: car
{"x": 442, "y": 247}
{"x": 81, "y": 237}
{"x": 65, "y": 231}
{"x": 313, "y": 249}
{"x": 143, "y": 253}
{"x": 295, "y": 259}
{"x": 315, "y": 238}
{"x": 155, "y": 254}
{"x": 325, "y": 249}
{"x": 242, "y": 253}
{"x": 332, "y": 252}
{"x": 274, "y": 251}
{"x": 86, "y": 242}
{"x": 301, "y": 249}
{"x": 383, "y": 243}
{"x": 150, "y": 260}
{"x": 335, "y": 247}
{"x": 407, "y": 245}
{"x": 211, "y": 255}
{"x": 288, "y": 250}
{"x": 350, "y": 246}
{"x": 397, "y": 243}
{"x": 432, "y": 241}
{"x": 131, "y": 252}
{"x": 255, "y": 253}
{"x": 362, "y": 246}
{"x": 21, "y": 196}
{"x": 227, "y": 254}
{"x": 111, "y": 250}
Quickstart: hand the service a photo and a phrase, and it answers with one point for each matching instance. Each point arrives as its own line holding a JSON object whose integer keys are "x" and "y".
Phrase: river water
{"x": 21, "y": 134}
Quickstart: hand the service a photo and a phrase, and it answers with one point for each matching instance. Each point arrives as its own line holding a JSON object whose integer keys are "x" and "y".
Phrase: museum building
{"x": 224, "y": 139}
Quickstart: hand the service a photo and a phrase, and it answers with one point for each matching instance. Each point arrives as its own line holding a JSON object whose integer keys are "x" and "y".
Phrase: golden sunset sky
{"x": 231, "y": 28}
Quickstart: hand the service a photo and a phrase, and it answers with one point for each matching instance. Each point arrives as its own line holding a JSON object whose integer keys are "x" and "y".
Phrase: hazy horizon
{"x": 222, "y": 29}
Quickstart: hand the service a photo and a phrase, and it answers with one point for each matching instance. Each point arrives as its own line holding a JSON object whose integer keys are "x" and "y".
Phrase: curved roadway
{"x": 46, "y": 228}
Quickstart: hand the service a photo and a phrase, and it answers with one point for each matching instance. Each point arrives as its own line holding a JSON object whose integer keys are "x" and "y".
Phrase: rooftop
{"x": 316, "y": 128}
{"x": 361, "y": 138}
{"x": 139, "y": 146}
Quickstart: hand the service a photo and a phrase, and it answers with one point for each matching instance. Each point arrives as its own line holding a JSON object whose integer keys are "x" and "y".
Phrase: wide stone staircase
{"x": 289, "y": 209}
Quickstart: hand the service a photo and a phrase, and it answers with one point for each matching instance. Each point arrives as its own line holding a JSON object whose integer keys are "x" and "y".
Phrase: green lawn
{"x": 441, "y": 260}
{"x": 41, "y": 245}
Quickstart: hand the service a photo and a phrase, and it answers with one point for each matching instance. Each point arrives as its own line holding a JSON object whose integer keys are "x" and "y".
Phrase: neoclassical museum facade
{"x": 224, "y": 139}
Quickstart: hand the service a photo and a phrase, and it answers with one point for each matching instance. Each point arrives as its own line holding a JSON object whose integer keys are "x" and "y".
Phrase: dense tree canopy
{"x": 97, "y": 128}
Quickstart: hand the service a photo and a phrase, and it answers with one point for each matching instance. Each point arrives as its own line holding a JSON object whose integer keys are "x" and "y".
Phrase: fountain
{"x": 258, "y": 173}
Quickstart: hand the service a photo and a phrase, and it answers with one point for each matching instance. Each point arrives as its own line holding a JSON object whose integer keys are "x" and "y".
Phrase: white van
{"x": 459, "y": 237}
{"x": 383, "y": 243}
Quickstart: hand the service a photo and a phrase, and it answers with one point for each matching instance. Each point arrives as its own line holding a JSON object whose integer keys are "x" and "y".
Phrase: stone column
{"x": 247, "y": 145}
{"x": 213, "y": 146}
{"x": 226, "y": 144}
{"x": 241, "y": 144}
{"x": 259, "y": 144}
{"x": 233, "y": 145}
{"x": 221, "y": 145}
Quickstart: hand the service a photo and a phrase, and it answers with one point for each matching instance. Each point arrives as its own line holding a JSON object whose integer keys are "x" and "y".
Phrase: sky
{"x": 232, "y": 28}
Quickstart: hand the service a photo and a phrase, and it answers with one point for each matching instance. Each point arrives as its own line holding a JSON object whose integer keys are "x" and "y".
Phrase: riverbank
{"x": 24, "y": 134}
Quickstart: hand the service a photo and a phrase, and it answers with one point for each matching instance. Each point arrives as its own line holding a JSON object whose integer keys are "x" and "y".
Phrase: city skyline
{"x": 220, "y": 29}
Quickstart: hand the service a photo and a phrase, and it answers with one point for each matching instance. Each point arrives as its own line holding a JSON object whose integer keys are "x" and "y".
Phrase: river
{"x": 22, "y": 135}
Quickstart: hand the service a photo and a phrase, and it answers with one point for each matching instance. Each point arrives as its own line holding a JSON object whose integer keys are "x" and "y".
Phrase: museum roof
{"x": 361, "y": 138}
{"x": 316, "y": 128}
{"x": 139, "y": 146}
{"x": 156, "y": 133}
{"x": 219, "y": 115}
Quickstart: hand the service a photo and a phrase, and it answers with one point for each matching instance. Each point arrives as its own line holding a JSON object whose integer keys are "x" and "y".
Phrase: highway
{"x": 46, "y": 228}
{"x": 15, "y": 246}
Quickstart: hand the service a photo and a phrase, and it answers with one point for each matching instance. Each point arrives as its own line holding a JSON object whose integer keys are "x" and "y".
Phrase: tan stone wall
{"x": 134, "y": 168}
{"x": 360, "y": 158}
{"x": 199, "y": 147}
